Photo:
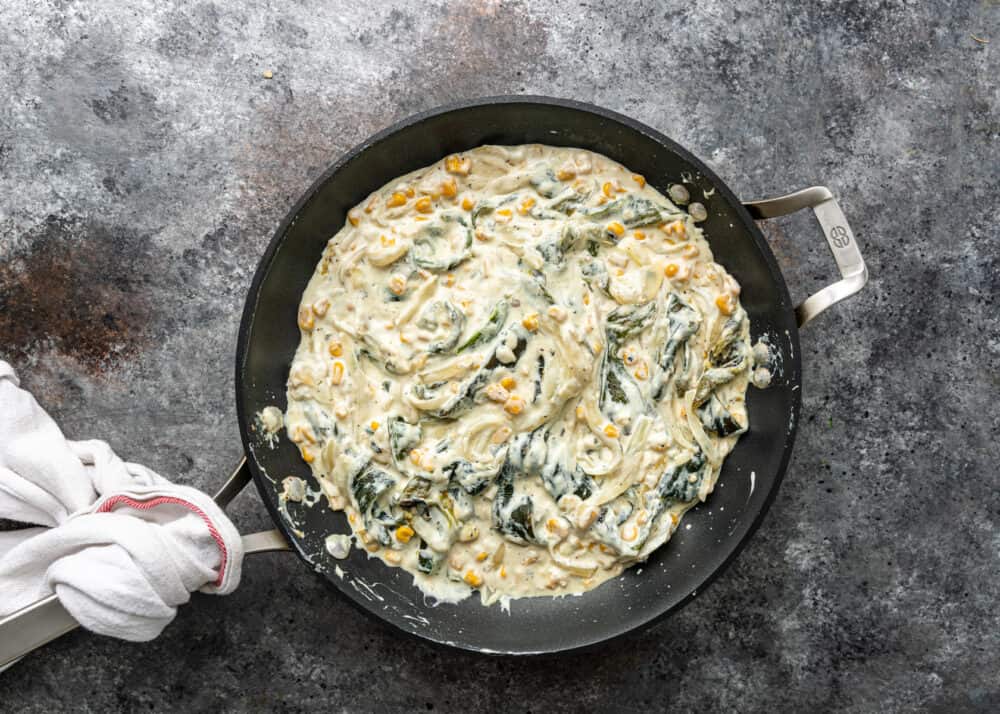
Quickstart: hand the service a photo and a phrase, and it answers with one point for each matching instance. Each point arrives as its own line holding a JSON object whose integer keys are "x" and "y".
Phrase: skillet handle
{"x": 44, "y": 620}
{"x": 853, "y": 271}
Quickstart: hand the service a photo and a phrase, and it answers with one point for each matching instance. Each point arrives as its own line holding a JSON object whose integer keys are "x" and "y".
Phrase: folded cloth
{"x": 119, "y": 545}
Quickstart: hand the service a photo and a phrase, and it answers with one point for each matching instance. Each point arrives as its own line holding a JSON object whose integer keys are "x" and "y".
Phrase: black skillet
{"x": 711, "y": 534}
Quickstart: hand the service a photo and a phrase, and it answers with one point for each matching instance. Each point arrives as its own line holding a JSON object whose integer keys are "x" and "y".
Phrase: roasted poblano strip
{"x": 402, "y": 437}
{"x": 427, "y": 252}
{"x": 728, "y": 357}
{"x": 494, "y": 323}
{"x": 717, "y": 419}
{"x": 680, "y": 323}
{"x": 442, "y": 315}
{"x": 465, "y": 398}
{"x": 512, "y": 512}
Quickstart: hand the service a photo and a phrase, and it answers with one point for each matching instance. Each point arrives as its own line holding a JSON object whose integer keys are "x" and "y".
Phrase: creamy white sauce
{"x": 519, "y": 367}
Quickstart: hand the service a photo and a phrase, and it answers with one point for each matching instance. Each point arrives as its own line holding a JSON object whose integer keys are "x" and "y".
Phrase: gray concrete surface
{"x": 144, "y": 162}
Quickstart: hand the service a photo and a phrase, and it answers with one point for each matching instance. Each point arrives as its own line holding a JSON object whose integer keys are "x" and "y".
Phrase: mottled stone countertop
{"x": 145, "y": 160}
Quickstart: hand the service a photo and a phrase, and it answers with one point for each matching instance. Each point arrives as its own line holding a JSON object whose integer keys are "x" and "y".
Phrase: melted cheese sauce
{"x": 519, "y": 367}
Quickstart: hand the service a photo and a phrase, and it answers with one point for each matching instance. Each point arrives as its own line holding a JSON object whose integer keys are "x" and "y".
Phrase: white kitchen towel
{"x": 121, "y": 546}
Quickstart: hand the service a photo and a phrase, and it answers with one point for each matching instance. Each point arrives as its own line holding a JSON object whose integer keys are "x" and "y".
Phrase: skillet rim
{"x": 792, "y": 366}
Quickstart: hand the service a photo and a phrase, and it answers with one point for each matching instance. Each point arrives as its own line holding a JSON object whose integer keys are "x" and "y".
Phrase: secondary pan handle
{"x": 853, "y": 271}
{"x": 44, "y": 620}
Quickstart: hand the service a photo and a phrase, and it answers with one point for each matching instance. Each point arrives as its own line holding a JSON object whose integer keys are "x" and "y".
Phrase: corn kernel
{"x": 514, "y": 405}
{"x": 639, "y": 179}
{"x": 396, "y": 199}
{"x": 580, "y": 412}
{"x": 308, "y": 456}
{"x": 449, "y": 280}
{"x": 306, "y": 319}
{"x": 639, "y": 235}
{"x": 423, "y": 204}
{"x": 526, "y": 206}
{"x": 370, "y": 206}
{"x": 415, "y": 457}
{"x": 386, "y": 242}
{"x": 642, "y": 371}
{"x": 482, "y": 555}
{"x": 397, "y": 284}
{"x": 449, "y": 188}
{"x": 508, "y": 382}
{"x": 404, "y": 533}
{"x": 505, "y": 212}
{"x": 630, "y": 533}
{"x": 611, "y": 431}
{"x": 671, "y": 270}
{"x": 393, "y": 557}
{"x": 374, "y": 426}
{"x": 617, "y": 228}
{"x": 482, "y": 235}
{"x": 725, "y": 304}
{"x": 503, "y": 571}
{"x": 557, "y": 313}
{"x": 552, "y": 524}
{"x": 472, "y": 579}
{"x": 607, "y": 189}
{"x": 336, "y": 349}
{"x": 352, "y": 518}
{"x": 467, "y": 203}
{"x": 586, "y": 298}
{"x": 530, "y": 322}
{"x": 458, "y": 165}
{"x": 354, "y": 217}
{"x": 677, "y": 227}
{"x": 337, "y": 374}
{"x": 320, "y": 307}
{"x": 410, "y": 193}
{"x": 497, "y": 393}
{"x": 565, "y": 174}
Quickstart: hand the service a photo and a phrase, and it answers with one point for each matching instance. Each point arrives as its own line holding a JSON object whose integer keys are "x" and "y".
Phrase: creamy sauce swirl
{"x": 519, "y": 367}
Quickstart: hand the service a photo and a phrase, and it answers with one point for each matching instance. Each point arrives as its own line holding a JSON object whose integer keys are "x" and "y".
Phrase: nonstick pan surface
{"x": 710, "y": 535}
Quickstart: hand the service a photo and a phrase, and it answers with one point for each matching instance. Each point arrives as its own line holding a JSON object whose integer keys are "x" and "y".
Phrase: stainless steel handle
{"x": 44, "y": 620}
{"x": 840, "y": 237}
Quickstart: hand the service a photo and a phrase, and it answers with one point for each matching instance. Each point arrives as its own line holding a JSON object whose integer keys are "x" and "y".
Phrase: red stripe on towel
{"x": 108, "y": 505}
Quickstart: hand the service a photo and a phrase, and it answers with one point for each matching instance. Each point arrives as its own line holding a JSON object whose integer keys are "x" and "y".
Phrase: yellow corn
{"x": 504, "y": 212}
{"x": 503, "y": 571}
{"x": 320, "y": 307}
{"x": 397, "y": 284}
{"x": 580, "y": 412}
{"x": 639, "y": 179}
{"x": 630, "y": 533}
{"x": 458, "y": 165}
{"x": 423, "y": 205}
{"x": 386, "y": 241}
{"x": 449, "y": 280}
{"x": 354, "y": 217}
{"x": 306, "y": 319}
{"x": 725, "y": 304}
{"x": 337, "y": 375}
{"x": 552, "y": 524}
{"x": 642, "y": 371}
{"x": 639, "y": 235}
{"x": 677, "y": 227}
{"x": 508, "y": 382}
{"x": 514, "y": 405}
{"x": 410, "y": 192}
{"x": 396, "y": 199}
{"x": 472, "y": 579}
{"x": 307, "y": 456}
{"x": 671, "y": 270}
{"x": 449, "y": 188}
{"x": 530, "y": 322}
{"x": 526, "y": 205}
{"x": 370, "y": 206}
{"x": 500, "y": 435}
{"x": 467, "y": 203}
{"x": 336, "y": 349}
{"x": 565, "y": 174}
{"x": 374, "y": 425}
{"x": 415, "y": 457}
{"x": 617, "y": 228}
{"x": 607, "y": 189}
{"x": 404, "y": 533}
{"x": 611, "y": 431}
{"x": 483, "y": 555}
